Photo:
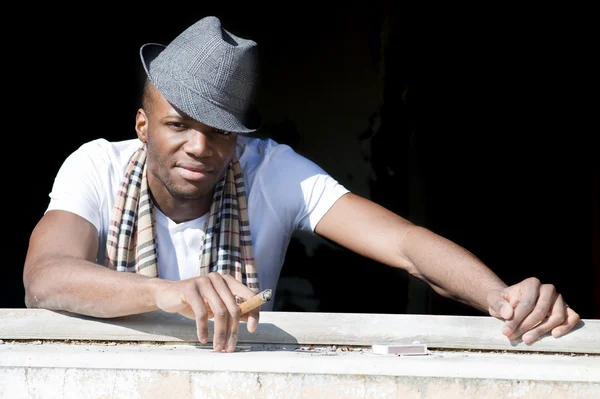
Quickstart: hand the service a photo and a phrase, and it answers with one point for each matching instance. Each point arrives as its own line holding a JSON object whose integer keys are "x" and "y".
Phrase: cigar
{"x": 255, "y": 301}
{"x": 250, "y": 304}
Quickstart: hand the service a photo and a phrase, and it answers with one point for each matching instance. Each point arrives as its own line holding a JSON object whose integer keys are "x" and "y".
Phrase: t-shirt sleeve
{"x": 75, "y": 187}
{"x": 298, "y": 190}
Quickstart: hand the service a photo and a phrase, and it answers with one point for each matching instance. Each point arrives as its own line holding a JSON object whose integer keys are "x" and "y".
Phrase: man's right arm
{"x": 60, "y": 273}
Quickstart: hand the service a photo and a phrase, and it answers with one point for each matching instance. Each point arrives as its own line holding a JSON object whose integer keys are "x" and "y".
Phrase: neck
{"x": 181, "y": 211}
{"x": 178, "y": 210}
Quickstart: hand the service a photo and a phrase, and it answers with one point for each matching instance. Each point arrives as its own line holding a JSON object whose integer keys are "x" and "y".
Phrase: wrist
{"x": 156, "y": 287}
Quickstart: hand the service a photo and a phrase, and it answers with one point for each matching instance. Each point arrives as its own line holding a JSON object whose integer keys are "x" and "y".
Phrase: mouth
{"x": 193, "y": 172}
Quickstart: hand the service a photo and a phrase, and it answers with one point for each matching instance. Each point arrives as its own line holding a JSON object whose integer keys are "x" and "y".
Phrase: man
{"x": 194, "y": 214}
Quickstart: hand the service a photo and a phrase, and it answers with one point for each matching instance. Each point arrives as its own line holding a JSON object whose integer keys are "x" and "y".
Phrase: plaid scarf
{"x": 227, "y": 248}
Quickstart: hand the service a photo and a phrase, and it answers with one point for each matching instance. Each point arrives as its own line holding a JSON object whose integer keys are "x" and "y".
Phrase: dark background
{"x": 494, "y": 150}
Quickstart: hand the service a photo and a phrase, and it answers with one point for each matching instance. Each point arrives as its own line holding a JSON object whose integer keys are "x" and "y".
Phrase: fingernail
{"x": 203, "y": 338}
{"x": 232, "y": 342}
{"x": 556, "y": 333}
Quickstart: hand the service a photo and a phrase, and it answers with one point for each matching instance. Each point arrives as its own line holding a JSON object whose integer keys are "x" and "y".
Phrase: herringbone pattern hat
{"x": 209, "y": 74}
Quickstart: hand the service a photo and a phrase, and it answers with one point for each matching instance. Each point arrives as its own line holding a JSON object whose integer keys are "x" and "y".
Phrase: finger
{"x": 566, "y": 326}
{"x": 499, "y": 306}
{"x": 196, "y": 303}
{"x": 556, "y": 317}
{"x": 232, "y": 309}
{"x": 523, "y": 298}
{"x": 219, "y": 310}
{"x": 251, "y": 320}
{"x": 242, "y": 291}
{"x": 547, "y": 299}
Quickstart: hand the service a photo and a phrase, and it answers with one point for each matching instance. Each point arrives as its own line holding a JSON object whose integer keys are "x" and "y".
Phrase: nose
{"x": 198, "y": 144}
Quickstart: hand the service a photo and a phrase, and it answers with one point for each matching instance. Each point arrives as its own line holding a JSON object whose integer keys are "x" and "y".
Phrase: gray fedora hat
{"x": 208, "y": 73}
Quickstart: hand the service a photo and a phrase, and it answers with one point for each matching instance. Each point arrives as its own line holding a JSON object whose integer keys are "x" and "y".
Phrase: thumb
{"x": 252, "y": 324}
{"x": 499, "y": 305}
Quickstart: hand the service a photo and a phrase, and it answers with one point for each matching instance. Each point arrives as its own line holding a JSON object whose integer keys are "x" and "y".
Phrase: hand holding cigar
{"x": 191, "y": 299}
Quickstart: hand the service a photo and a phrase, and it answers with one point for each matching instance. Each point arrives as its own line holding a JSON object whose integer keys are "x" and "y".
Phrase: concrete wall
{"x": 46, "y": 354}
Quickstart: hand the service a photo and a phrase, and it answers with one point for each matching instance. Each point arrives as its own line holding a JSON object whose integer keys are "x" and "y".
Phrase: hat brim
{"x": 192, "y": 103}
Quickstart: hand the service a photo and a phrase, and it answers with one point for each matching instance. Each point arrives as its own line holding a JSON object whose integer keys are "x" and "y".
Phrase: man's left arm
{"x": 529, "y": 308}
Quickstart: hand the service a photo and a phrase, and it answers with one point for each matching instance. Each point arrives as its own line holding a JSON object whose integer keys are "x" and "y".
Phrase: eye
{"x": 177, "y": 125}
{"x": 221, "y": 132}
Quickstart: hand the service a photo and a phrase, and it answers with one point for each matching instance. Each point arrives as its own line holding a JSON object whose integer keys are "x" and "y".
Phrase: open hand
{"x": 531, "y": 309}
{"x": 213, "y": 294}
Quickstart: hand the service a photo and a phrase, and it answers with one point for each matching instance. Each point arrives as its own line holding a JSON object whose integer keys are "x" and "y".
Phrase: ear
{"x": 141, "y": 125}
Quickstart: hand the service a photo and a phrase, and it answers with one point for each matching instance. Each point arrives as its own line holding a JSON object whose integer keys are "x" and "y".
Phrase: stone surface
{"x": 47, "y": 354}
{"x": 449, "y": 332}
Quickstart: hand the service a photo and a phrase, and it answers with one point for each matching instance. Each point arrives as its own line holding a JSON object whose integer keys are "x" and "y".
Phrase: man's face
{"x": 185, "y": 157}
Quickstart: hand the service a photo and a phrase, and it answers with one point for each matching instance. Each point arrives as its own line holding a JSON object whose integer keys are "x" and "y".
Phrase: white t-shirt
{"x": 286, "y": 192}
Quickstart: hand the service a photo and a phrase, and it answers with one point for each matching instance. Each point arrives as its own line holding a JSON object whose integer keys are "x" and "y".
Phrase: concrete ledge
{"x": 117, "y": 384}
{"x": 45, "y": 354}
{"x": 317, "y": 360}
{"x": 302, "y": 328}
{"x": 61, "y": 370}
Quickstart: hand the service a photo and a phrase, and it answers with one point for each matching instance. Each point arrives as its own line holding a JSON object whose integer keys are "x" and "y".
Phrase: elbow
{"x": 33, "y": 293}
{"x": 31, "y": 300}
{"x": 35, "y": 290}
{"x": 39, "y": 295}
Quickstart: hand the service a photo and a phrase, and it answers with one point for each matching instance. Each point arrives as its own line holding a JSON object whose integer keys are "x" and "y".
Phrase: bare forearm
{"x": 451, "y": 270}
{"x": 78, "y": 286}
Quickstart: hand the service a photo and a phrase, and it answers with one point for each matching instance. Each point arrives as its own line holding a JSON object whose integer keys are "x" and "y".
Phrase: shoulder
{"x": 270, "y": 162}
{"x": 104, "y": 149}
{"x": 256, "y": 152}
{"x": 278, "y": 167}
{"x": 296, "y": 189}
{"x": 89, "y": 177}
{"x": 101, "y": 154}
{"x": 97, "y": 162}
{"x": 257, "y": 147}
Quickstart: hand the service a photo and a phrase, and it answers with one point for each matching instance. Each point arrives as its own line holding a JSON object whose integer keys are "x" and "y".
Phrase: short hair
{"x": 148, "y": 95}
